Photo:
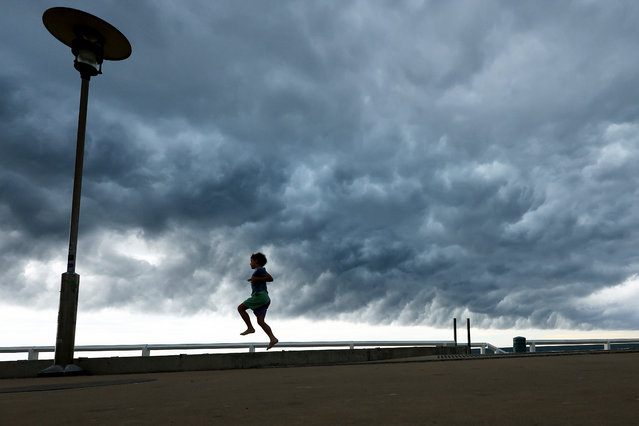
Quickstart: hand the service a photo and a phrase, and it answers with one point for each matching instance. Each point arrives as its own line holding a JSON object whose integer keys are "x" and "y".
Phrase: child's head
{"x": 258, "y": 258}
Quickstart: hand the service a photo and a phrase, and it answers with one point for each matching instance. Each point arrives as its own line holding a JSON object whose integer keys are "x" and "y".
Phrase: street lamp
{"x": 91, "y": 41}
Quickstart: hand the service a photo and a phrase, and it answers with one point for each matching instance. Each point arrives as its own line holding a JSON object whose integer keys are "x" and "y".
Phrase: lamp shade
{"x": 68, "y": 24}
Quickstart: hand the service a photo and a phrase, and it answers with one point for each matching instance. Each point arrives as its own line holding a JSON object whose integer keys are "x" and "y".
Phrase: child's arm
{"x": 268, "y": 278}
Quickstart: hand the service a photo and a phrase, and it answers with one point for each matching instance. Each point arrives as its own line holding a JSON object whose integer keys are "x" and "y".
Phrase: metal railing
{"x": 34, "y": 351}
{"x": 145, "y": 349}
{"x": 606, "y": 343}
{"x": 483, "y": 346}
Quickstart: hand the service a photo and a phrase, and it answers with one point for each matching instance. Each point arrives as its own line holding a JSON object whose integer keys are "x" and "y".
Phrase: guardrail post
{"x": 33, "y": 354}
{"x": 251, "y": 348}
{"x": 146, "y": 351}
{"x": 532, "y": 346}
{"x": 352, "y": 346}
{"x": 482, "y": 349}
{"x": 607, "y": 346}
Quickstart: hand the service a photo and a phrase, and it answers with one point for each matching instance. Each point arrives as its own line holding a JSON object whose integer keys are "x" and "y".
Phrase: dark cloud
{"x": 400, "y": 161}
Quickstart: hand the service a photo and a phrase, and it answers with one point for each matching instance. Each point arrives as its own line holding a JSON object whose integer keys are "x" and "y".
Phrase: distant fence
{"x": 145, "y": 349}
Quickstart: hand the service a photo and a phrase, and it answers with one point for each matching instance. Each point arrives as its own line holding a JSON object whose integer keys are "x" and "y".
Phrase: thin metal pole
{"x": 67, "y": 314}
{"x": 455, "y": 329}
{"x": 468, "y": 327}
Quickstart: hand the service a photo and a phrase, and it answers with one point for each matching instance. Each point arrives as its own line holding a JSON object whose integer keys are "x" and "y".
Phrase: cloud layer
{"x": 401, "y": 161}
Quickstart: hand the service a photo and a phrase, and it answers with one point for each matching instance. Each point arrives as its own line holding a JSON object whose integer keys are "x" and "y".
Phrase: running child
{"x": 259, "y": 300}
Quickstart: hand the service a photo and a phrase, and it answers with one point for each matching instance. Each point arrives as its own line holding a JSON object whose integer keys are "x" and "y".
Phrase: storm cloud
{"x": 404, "y": 161}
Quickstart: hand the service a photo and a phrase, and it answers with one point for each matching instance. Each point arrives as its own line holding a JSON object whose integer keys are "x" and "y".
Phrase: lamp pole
{"x": 67, "y": 314}
{"x": 91, "y": 40}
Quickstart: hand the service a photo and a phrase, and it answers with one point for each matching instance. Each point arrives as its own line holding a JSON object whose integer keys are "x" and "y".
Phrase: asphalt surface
{"x": 583, "y": 389}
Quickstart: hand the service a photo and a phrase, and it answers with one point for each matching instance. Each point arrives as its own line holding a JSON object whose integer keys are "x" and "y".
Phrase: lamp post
{"x": 91, "y": 41}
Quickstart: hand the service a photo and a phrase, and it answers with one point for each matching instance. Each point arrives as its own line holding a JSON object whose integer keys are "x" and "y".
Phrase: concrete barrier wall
{"x": 174, "y": 363}
{"x": 22, "y": 369}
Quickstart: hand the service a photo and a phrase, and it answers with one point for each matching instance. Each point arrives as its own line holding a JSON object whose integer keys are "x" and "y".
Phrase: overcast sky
{"x": 405, "y": 161}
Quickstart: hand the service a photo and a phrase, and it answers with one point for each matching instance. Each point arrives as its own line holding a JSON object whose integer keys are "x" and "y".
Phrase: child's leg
{"x": 268, "y": 331}
{"x": 245, "y": 316}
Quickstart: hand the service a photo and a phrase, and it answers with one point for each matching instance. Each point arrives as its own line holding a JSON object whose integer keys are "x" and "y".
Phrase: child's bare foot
{"x": 248, "y": 331}
{"x": 272, "y": 343}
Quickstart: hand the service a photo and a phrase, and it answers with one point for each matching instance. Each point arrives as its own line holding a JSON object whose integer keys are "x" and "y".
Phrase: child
{"x": 259, "y": 300}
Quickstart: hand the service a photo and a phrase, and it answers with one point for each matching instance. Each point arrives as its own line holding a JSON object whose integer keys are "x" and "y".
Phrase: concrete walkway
{"x": 584, "y": 389}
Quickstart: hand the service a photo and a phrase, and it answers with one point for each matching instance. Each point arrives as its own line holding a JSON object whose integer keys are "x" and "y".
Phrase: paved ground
{"x": 593, "y": 389}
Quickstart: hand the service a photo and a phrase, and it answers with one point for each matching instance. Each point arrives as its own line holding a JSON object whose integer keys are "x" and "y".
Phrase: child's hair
{"x": 259, "y": 258}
